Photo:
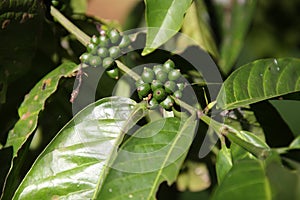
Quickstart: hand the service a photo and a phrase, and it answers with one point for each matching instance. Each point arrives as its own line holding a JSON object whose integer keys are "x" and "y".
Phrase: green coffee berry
{"x": 170, "y": 87}
{"x": 159, "y": 94}
{"x": 95, "y": 61}
{"x": 167, "y": 103}
{"x": 139, "y": 82}
{"x": 155, "y": 84}
{"x": 84, "y": 58}
{"x": 95, "y": 40}
{"x": 125, "y": 42}
{"x": 55, "y": 3}
{"x": 103, "y": 41}
{"x": 114, "y": 36}
{"x": 148, "y": 75}
{"x": 143, "y": 90}
{"x": 152, "y": 104}
{"x": 177, "y": 94}
{"x": 91, "y": 47}
{"x": 174, "y": 75}
{"x": 162, "y": 76}
{"x": 107, "y": 62}
{"x": 157, "y": 68}
{"x": 168, "y": 65}
{"x": 113, "y": 73}
{"x": 114, "y": 51}
{"x": 180, "y": 86}
{"x": 102, "y": 52}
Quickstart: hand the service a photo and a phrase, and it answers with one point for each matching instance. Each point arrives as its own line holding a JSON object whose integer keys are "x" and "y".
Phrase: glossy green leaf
{"x": 295, "y": 143}
{"x": 223, "y": 164}
{"x": 34, "y": 102}
{"x": 164, "y": 19}
{"x": 75, "y": 163}
{"x": 246, "y": 180}
{"x": 259, "y": 80}
{"x": 284, "y": 182}
{"x": 196, "y": 26}
{"x": 236, "y": 19}
{"x": 289, "y": 110}
{"x": 154, "y": 154}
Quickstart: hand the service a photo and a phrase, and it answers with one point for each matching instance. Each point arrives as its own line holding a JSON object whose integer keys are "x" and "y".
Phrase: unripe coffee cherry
{"x": 114, "y": 36}
{"x": 155, "y": 84}
{"x": 157, "y": 68}
{"x": 152, "y": 104}
{"x": 102, "y": 52}
{"x": 91, "y": 48}
{"x": 174, "y": 75}
{"x": 170, "y": 87}
{"x": 114, "y": 51}
{"x": 168, "y": 65}
{"x": 103, "y": 41}
{"x": 107, "y": 62}
{"x": 95, "y": 61}
{"x": 143, "y": 90}
{"x": 148, "y": 75}
{"x": 167, "y": 103}
{"x": 180, "y": 86}
{"x": 162, "y": 76}
{"x": 159, "y": 94}
{"x": 177, "y": 94}
{"x": 84, "y": 58}
{"x": 95, "y": 40}
{"x": 113, "y": 73}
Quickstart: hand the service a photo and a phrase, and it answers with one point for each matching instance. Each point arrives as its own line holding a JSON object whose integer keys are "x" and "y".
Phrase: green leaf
{"x": 152, "y": 155}
{"x": 196, "y": 26}
{"x": 289, "y": 111}
{"x": 246, "y": 180}
{"x": 164, "y": 19}
{"x": 224, "y": 163}
{"x": 295, "y": 144}
{"x": 236, "y": 20}
{"x": 284, "y": 183}
{"x": 259, "y": 80}
{"x": 75, "y": 163}
{"x": 78, "y": 6}
{"x": 34, "y": 102}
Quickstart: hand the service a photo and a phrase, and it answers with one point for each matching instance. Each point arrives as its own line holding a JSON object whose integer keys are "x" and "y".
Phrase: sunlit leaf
{"x": 259, "y": 80}
{"x": 164, "y": 19}
{"x": 155, "y": 154}
{"x": 75, "y": 163}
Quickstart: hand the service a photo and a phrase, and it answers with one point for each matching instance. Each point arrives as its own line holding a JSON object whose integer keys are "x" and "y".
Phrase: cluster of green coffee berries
{"x": 103, "y": 50}
{"x": 159, "y": 84}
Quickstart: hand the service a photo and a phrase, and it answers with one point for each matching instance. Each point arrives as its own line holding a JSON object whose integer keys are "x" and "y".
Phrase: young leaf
{"x": 164, "y": 19}
{"x": 259, "y": 80}
{"x": 152, "y": 155}
{"x": 236, "y": 20}
{"x": 75, "y": 163}
{"x": 34, "y": 103}
{"x": 246, "y": 180}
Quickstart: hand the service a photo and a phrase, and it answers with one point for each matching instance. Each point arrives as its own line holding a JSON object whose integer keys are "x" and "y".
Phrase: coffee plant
{"x": 189, "y": 99}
